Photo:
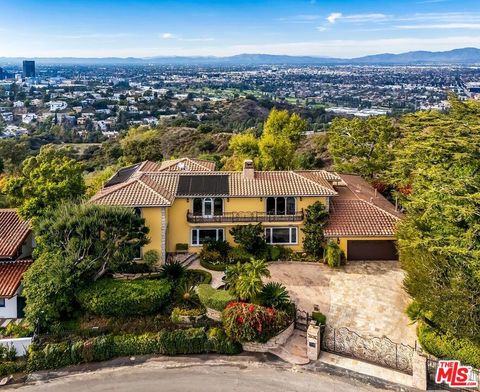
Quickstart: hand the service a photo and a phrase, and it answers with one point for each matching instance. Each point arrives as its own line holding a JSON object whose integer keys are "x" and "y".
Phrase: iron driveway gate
{"x": 379, "y": 351}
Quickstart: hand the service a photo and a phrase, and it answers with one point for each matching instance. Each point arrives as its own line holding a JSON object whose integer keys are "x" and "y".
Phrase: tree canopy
{"x": 77, "y": 244}
{"x": 362, "y": 146}
{"x": 275, "y": 149}
{"x": 45, "y": 180}
{"x": 439, "y": 244}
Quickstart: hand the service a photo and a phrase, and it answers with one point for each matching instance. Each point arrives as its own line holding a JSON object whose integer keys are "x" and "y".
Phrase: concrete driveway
{"x": 366, "y": 297}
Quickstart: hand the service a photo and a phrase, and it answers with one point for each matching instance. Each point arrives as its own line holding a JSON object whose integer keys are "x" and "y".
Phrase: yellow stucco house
{"x": 186, "y": 202}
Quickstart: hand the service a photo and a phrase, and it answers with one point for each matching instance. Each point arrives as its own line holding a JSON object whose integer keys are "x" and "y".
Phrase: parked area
{"x": 366, "y": 297}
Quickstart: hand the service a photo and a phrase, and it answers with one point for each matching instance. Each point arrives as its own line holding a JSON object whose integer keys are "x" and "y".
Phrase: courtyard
{"x": 366, "y": 297}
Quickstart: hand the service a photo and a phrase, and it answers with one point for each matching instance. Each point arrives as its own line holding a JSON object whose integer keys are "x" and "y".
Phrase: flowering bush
{"x": 245, "y": 322}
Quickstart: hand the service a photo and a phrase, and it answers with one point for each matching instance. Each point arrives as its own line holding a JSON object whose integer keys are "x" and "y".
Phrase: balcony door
{"x": 208, "y": 207}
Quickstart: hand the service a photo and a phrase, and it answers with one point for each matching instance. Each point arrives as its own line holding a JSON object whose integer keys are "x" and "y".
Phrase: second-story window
{"x": 208, "y": 206}
{"x": 281, "y": 205}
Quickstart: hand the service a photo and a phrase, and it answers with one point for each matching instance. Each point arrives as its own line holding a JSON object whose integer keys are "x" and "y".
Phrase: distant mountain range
{"x": 451, "y": 57}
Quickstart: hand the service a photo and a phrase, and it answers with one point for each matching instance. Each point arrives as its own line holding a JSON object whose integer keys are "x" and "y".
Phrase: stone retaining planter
{"x": 272, "y": 343}
{"x": 214, "y": 314}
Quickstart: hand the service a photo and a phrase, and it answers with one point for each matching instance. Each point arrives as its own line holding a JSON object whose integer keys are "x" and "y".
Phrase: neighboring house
{"x": 16, "y": 244}
{"x": 185, "y": 201}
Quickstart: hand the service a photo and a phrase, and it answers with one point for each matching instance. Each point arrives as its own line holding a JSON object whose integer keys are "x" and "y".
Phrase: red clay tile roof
{"x": 186, "y": 164}
{"x": 13, "y": 232}
{"x": 11, "y": 273}
{"x": 358, "y": 218}
{"x": 160, "y": 188}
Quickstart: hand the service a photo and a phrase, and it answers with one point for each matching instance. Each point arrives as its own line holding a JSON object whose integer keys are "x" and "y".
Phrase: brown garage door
{"x": 372, "y": 250}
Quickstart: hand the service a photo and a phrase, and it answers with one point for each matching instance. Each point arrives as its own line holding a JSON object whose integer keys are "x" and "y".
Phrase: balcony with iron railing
{"x": 245, "y": 217}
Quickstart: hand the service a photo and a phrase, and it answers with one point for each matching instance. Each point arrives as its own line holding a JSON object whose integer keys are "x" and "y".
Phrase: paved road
{"x": 185, "y": 377}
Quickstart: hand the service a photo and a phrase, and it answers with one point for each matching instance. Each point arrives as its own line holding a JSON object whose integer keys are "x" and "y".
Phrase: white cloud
{"x": 365, "y": 18}
{"x": 332, "y": 18}
{"x": 442, "y": 26}
{"x": 322, "y": 28}
{"x": 168, "y": 36}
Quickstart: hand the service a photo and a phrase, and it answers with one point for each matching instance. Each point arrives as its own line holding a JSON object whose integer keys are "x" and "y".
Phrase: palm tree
{"x": 249, "y": 286}
{"x": 258, "y": 268}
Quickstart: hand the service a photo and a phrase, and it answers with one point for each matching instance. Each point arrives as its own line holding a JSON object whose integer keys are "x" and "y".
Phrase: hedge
{"x": 198, "y": 276}
{"x": 119, "y": 298}
{"x": 181, "y": 341}
{"x": 448, "y": 347}
{"x": 11, "y": 367}
{"x": 212, "y": 298}
{"x": 213, "y": 267}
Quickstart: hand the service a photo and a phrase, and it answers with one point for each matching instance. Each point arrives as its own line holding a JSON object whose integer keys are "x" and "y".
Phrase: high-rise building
{"x": 28, "y": 69}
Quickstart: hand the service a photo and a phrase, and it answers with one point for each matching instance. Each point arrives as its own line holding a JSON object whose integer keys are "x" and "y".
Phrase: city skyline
{"x": 147, "y": 28}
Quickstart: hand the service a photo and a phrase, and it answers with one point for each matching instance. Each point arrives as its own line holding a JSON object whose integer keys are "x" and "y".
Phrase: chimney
{"x": 248, "y": 169}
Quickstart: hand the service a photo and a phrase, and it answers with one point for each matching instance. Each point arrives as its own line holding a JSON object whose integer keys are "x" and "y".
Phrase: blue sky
{"x": 143, "y": 28}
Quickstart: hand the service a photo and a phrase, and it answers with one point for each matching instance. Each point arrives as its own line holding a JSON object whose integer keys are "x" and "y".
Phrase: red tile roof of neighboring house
{"x": 186, "y": 164}
{"x": 11, "y": 273}
{"x": 13, "y": 232}
{"x": 359, "y": 218}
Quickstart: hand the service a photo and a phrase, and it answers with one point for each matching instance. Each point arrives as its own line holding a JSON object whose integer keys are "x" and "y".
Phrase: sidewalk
{"x": 364, "y": 368}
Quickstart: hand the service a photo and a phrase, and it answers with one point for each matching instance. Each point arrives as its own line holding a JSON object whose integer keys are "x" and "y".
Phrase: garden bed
{"x": 272, "y": 343}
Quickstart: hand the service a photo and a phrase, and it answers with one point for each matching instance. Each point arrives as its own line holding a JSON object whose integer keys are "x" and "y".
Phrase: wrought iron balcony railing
{"x": 244, "y": 217}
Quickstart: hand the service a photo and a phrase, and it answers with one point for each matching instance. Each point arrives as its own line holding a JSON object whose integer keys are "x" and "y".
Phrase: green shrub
{"x": 333, "y": 254}
{"x": 239, "y": 255}
{"x": 211, "y": 256}
{"x": 222, "y": 247}
{"x": 11, "y": 367}
{"x": 22, "y": 330}
{"x": 219, "y": 342}
{"x": 180, "y": 341}
{"x": 244, "y": 322}
{"x": 319, "y": 317}
{"x": 448, "y": 347}
{"x": 125, "y": 298}
{"x": 173, "y": 270}
{"x": 212, "y": 298}
{"x": 181, "y": 247}
{"x": 133, "y": 268}
{"x": 274, "y": 295}
{"x": 8, "y": 353}
{"x": 250, "y": 237}
{"x": 151, "y": 258}
{"x": 198, "y": 276}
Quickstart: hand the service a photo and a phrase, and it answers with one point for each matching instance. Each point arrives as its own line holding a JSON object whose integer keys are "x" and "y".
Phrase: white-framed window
{"x": 207, "y": 206}
{"x": 2, "y": 302}
{"x": 281, "y": 205}
{"x": 200, "y": 236}
{"x": 281, "y": 235}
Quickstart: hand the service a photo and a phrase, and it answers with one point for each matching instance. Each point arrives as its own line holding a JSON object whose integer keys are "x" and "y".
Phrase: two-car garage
{"x": 372, "y": 250}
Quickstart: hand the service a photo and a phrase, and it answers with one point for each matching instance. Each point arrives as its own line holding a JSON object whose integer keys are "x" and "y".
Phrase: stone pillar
{"x": 419, "y": 376}
{"x": 313, "y": 341}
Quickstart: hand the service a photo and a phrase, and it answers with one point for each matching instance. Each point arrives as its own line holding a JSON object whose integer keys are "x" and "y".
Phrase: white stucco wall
{"x": 20, "y": 344}
{"x": 10, "y": 309}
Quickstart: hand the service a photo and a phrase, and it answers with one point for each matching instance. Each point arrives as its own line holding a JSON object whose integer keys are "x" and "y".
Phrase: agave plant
{"x": 173, "y": 271}
{"x": 274, "y": 295}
